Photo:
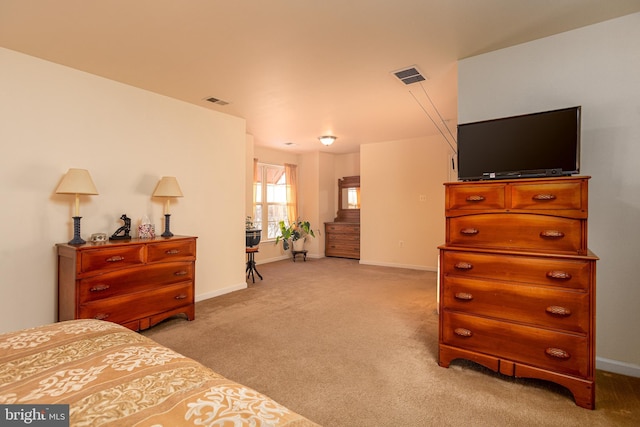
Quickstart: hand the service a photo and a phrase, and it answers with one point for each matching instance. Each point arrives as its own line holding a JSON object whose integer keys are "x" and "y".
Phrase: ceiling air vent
{"x": 409, "y": 75}
{"x": 216, "y": 101}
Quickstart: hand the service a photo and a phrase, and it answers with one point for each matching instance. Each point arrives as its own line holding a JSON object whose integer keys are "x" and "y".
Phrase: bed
{"x": 111, "y": 376}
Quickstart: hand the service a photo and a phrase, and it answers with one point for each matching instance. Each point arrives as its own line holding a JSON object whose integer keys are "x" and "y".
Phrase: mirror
{"x": 349, "y": 199}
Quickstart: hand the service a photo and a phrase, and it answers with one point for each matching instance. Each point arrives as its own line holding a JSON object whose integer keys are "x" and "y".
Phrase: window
{"x": 270, "y": 204}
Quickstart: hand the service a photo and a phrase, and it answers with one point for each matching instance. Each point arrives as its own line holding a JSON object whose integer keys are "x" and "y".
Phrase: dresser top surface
{"x": 521, "y": 180}
{"x": 125, "y": 242}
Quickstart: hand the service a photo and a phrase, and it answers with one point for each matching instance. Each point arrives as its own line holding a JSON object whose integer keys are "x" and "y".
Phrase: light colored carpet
{"x": 353, "y": 345}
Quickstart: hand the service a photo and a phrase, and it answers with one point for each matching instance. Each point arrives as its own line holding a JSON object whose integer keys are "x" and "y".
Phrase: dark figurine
{"x": 122, "y": 233}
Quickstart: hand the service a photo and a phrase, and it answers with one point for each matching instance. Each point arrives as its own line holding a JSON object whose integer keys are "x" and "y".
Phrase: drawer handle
{"x": 115, "y": 258}
{"x": 101, "y": 316}
{"x": 558, "y": 311}
{"x": 475, "y": 198}
{"x": 469, "y": 231}
{"x": 99, "y": 288}
{"x": 464, "y": 296}
{"x": 558, "y": 353}
{"x": 172, "y": 252}
{"x": 181, "y": 296}
{"x": 558, "y": 275}
{"x": 552, "y": 234}
{"x": 463, "y": 332}
{"x": 180, "y": 273}
{"x": 543, "y": 197}
{"x": 463, "y": 266}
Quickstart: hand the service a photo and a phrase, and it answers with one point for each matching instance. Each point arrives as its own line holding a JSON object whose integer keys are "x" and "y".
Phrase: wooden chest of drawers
{"x": 342, "y": 239}
{"x": 136, "y": 283}
{"x": 517, "y": 282}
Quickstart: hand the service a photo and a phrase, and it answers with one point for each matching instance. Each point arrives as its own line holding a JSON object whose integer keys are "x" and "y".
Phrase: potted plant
{"x": 252, "y": 234}
{"x": 296, "y": 232}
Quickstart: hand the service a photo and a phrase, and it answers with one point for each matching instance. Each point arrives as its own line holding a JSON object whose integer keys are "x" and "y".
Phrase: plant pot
{"x": 298, "y": 245}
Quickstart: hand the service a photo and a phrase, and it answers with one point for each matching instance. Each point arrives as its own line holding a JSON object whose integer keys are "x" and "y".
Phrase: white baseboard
{"x": 218, "y": 292}
{"x": 617, "y": 367}
{"x": 390, "y": 264}
{"x": 285, "y": 256}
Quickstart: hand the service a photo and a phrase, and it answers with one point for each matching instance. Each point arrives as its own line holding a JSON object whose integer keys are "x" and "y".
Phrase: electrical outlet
{"x": 401, "y": 243}
{"x": 423, "y": 198}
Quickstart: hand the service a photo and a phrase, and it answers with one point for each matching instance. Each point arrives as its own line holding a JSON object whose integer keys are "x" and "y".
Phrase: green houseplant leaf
{"x": 297, "y": 230}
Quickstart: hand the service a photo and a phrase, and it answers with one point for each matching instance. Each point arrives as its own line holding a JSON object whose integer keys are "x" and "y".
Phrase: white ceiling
{"x": 294, "y": 69}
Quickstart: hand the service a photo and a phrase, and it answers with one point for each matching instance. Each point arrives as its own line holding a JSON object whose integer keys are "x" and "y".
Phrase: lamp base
{"x": 167, "y": 232}
{"x": 77, "y": 240}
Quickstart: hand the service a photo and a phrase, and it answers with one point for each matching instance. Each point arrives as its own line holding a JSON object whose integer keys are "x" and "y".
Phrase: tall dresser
{"x": 136, "y": 283}
{"x": 517, "y": 281}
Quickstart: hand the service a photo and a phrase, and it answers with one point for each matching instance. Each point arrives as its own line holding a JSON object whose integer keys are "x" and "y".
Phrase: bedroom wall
{"x": 596, "y": 67}
{"x": 54, "y": 118}
{"x": 394, "y": 175}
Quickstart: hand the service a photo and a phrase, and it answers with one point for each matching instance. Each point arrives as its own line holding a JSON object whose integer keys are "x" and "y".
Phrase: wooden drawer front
{"x": 517, "y": 231}
{"x": 548, "y": 196}
{"x": 476, "y": 197}
{"x": 134, "y": 280}
{"x": 343, "y": 238}
{"x": 561, "y": 352}
{"x": 571, "y": 274}
{"x": 342, "y": 250}
{"x": 342, "y": 228}
{"x": 112, "y": 258}
{"x": 557, "y": 309}
{"x": 124, "y": 308}
{"x": 183, "y": 250}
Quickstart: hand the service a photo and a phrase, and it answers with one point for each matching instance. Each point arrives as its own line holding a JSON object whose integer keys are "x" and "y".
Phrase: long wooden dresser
{"x": 136, "y": 283}
{"x": 517, "y": 281}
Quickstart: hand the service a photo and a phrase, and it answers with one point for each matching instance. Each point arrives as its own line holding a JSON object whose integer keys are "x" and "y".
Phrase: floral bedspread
{"x": 111, "y": 376}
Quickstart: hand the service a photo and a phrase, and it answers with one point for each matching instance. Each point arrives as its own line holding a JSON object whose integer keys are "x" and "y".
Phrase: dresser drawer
{"x": 343, "y": 228}
{"x": 111, "y": 258}
{"x": 181, "y": 250}
{"x": 561, "y": 352}
{"x": 550, "y": 308}
{"x": 476, "y": 197}
{"x": 554, "y": 272}
{"x": 342, "y": 250}
{"x": 552, "y": 196}
{"x": 517, "y": 231}
{"x": 120, "y": 309}
{"x": 134, "y": 280}
{"x": 344, "y": 238}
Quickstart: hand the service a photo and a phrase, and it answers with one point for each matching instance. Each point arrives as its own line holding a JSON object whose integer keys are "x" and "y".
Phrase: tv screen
{"x": 531, "y": 145}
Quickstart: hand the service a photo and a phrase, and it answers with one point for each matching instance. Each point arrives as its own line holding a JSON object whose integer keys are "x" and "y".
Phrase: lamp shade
{"x": 77, "y": 181}
{"x": 327, "y": 139}
{"x": 167, "y": 187}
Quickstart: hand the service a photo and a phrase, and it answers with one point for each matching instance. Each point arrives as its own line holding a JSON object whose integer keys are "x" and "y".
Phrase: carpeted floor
{"x": 353, "y": 345}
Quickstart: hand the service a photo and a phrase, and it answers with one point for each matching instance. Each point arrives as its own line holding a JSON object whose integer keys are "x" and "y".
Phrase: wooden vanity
{"x": 342, "y": 236}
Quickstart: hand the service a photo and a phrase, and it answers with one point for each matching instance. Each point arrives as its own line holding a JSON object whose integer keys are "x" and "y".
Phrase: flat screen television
{"x": 525, "y": 146}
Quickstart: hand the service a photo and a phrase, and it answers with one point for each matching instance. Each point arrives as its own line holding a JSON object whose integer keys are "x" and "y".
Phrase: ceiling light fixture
{"x": 327, "y": 139}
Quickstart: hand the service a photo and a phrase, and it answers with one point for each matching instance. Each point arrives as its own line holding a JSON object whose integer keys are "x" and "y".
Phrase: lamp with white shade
{"x": 167, "y": 187}
{"x": 77, "y": 181}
